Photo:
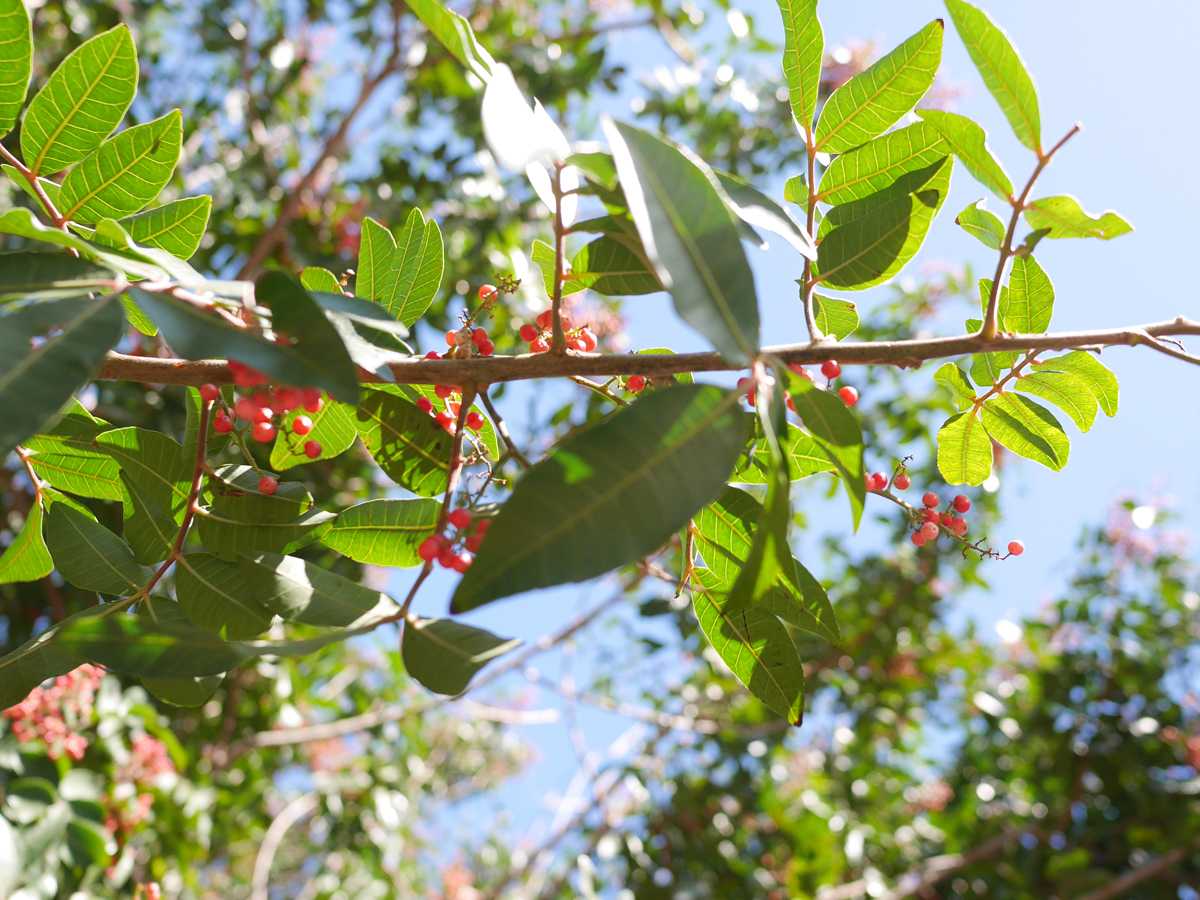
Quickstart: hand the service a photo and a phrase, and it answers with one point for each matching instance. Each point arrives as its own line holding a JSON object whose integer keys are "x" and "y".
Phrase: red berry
{"x": 577, "y": 344}
{"x": 902, "y": 481}
{"x": 462, "y": 562}
{"x": 312, "y": 449}
{"x": 931, "y": 500}
{"x": 948, "y": 519}
{"x": 830, "y": 369}
{"x": 263, "y": 414}
{"x": 870, "y": 482}
{"x": 442, "y": 391}
{"x": 930, "y": 530}
{"x": 267, "y": 484}
{"x": 635, "y": 383}
{"x": 959, "y": 527}
{"x": 538, "y": 346}
{"x": 546, "y": 319}
{"x": 479, "y": 337}
{"x": 222, "y": 424}
{"x": 962, "y": 504}
{"x": 788, "y": 400}
{"x": 446, "y": 557}
{"x": 450, "y": 336}
{"x": 487, "y": 348}
{"x": 209, "y": 392}
{"x": 745, "y": 385}
{"x": 1016, "y": 548}
{"x": 487, "y": 292}
{"x": 153, "y": 891}
{"x": 849, "y": 395}
{"x": 245, "y": 408}
{"x": 289, "y": 399}
{"x": 483, "y": 526}
{"x": 931, "y": 515}
{"x": 313, "y": 406}
{"x": 472, "y": 543}
{"x": 425, "y": 403}
{"x": 263, "y": 432}
{"x": 881, "y": 480}
{"x": 460, "y": 518}
{"x": 589, "y": 340}
{"x": 445, "y": 420}
{"x": 750, "y": 397}
{"x": 429, "y": 548}
{"x": 567, "y": 324}
{"x": 529, "y": 332}
{"x": 474, "y": 421}
{"x": 918, "y": 539}
{"x": 302, "y": 425}
{"x": 798, "y": 369}
{"x": 433, "y": 354}
{"x": 454, "y": 406}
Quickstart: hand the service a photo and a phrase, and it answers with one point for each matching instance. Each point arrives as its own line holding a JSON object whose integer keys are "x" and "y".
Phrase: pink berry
{"x": 901, "y": 481}
{"x": 931, "y": 500}
{"x": 153, "y": 891}
{"x": 433, "y": 354}
{"x": 931, "y": 515}
{"x": 222, "y": 424}
{"x": 245, "y": 408}
{"x": 479, "y": 337}
{"x": 529, "y": 333}
{"x": 1016, "y": 548}
{"x": 750, "y": 397}
{"x": 930, "y": 530}
{"x": 429, "y": 548}
{"x": 312, "y": 449}
{"x": 460, "y": 518}
{"x": 589, "y": 340}
{"x": 870, "y": 481}
{"x": 263, "y": 414}
{"x": 487, "y": 348}
{"x": 538, "y": 346}
{"x": 209, "y": 392}
{"x": 881, "y": 480}
{"x": 918, "y": 539}
{"x": 577, "y": 344}
{"x": 830, "y": 368}
{"x": 546, "y": 319}
{"x": 486, "y": 292}
{"x": 849, "y": 395}
{"x": 425, "y": 404}
{"x": 267, "y": 484}
{"x": 635, "y": 383}
{"x": 450, "y": 337}
{"x": 962, "y": 504}
{"x": 263, "y": 432}
{"x": 959, "y": 527}
{"x": 445, "y": 420}
{"x": 462, "y": 562}
{"x": 474, "y": 421}
{"x": 302, "y": 425}
{"x": 948, "y": 519}
{"x": 442, "y": 391}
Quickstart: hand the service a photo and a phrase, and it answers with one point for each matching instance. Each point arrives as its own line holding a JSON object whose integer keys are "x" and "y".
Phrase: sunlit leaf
{"x": 66, "y": 457}
{"x": 982, "y": 225}
{"x": 176, "y": 227}
{"x": 1099, "y": 380}
{"x": 154, "y": 462}
{"x": 26, "y": 558}
{"x": 1027, "y": 429}
{"x": 16, "y": 59}
{"x": 755, "y": 208}
{"x": 1029, "y": 302}
{"x": 878, "y": 164}
{"x": 835, "y": 316}
{"x": 962, "y": 392}
{"x": 384, "y": 532}
{"x": 300, "y": 591}
{"x": 804, "y": 45}
{"x": 1063, "y": 217}
{"x": 969, "y": 143}
{"x": 964, "y": 450}
{"x": 333, "y": 429}
{"x": 1066, "y": 390}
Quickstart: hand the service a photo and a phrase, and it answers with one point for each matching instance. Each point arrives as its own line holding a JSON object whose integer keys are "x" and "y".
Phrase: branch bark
{"x": 1152, "y": 869}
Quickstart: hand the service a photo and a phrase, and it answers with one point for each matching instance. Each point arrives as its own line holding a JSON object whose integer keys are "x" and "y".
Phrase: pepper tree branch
{"x": 502, "y": 429}
{"x": 808, "y": 284}
{"x": 558, "y": 339}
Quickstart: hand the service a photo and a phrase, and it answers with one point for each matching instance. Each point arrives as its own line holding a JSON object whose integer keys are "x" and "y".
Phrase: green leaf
{"x": 454, "y": 33}
{"x": 982, "y": 225}
{"x": 234, "y": 493}
{"x": 835, "y": 316}
{"x": 873, "y": 101}
{"x": 37, "y": 659}
{"x": 16, "y": 60}
{"x": 66, "y": 457}
{"x": 89, "y": 555}
{"x": 606, "y": 265}
{"x": 755, "y": 646}
{"x": 804, "y": 458}
{"x": 690, "y": 239}
{"x": 409, "y": 445}
{"x": 195, "y": 334}
{"x": 598, "y": 168}
{"x": 866, "y": 242}
{"x": 300, "y": 591}
{"x": 1099, "y": 380}
{"x": 150, "y": 532}
{"x": 444, "y": 655}
{"x": 124, "y": 174}
{"x": 1063, "y": 217}
{"x": 987, "y": 368}
{"x": 214, "y": 595}
{"x": 89, "y": 843}
{"x": 314, "y": 278}
{"x": 969, "y": 143}
{"x": 384, "y": 532}
{"x": 316, "y": 342}
{"x": 26, "y": 558}
{"x": 374, "y": 259}
{"x": 81, "y": 103}
{"x": 176, "y": 691}
{"x": 225, "y": 537}
{"x": 137, "y": 318}
{"x": 415, "y": 273}
{"x": 1066, "y": 390}
{"x": 1027, "y": 429}
{"x": 677, "y": 378}
{"x": 110, "y": 233}
{"x": 962, "y": 392}
{"x": 1002, "y": 69}
{"x": 964, "y": 450}
{"x": 837, "y": 433}
{"x": 48, "y": 187}
{"x": 543, "y": 257}
{"x": 176, "y": 227}
{"x": 877, "y": 164}
{"x": 48, "y": 351}
{"x": 22, "y": 223}
{"x": 154, "y": 462}
{"x": 333, "y": 429}
{"x": 803, "y": 47}
{"x": 755, "y": 208}
{"x": 49, "y": 276}
{"x": 609, "y": 494}
{"x": 1029, "y": 302}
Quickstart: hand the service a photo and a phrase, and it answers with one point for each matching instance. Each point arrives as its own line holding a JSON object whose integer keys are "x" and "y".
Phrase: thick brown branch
{"x": 526, "y": 367}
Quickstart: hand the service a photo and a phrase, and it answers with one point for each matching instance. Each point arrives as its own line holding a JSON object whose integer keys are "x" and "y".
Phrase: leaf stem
{"x": 502, "y": 429}
{"x": 38, "y": 485}
{"x": 808, "y": 283}
{"x": 599, "y": 389}
{"x": 558, "y": 339}
{"x": 60, "y": 221}
{"x": 998, "y": 387}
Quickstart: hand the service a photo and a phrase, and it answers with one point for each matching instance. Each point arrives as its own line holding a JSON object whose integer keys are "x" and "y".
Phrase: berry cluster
{"x": 449, "y": 416}
{"x": 51, "y": 714}
{"x": 928, "y": 522}
{"x": 258, "y": 410}
{"x": 454, "y": 552}
{"x": 580, "y": 338}
{"x": 830, "y": 369}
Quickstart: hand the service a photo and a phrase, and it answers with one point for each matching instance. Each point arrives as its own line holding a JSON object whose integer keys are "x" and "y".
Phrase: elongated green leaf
{"x": 1027, "y": 429}
{"x": 234, "y": 493}
{"x": 962, "y": 392}
{"x": 1002, "y": 69}
{"x": 969, "y": 143}
{"x": 384, "y": 532}
{"x": 176, "y": 691}
{"x": 804, "y": 457}
{"x": 406, "y": 442}
{"x": 1066, "y": 390}
{"x": 837, "y": 433}
{"x": 333, "y": 429}
{"x": 1063, "y": 217}
{"x": 214, "y": 595}
{"x": 22, "y": 222}
{"x": 804, "y": 45}
{"x": 755, "y": 646}
{"x": 1030, "y": 298}
{"x": 610, "y": 494}
{"x": 300, "y": 591}
{"x": 89, "y": 555}
{"x": 873, "y": 101}
{"x": 835, "y": 316}
{"x": 154, "y": 463}
{"x": 66, "y": 457}
{"x": 225, "y": 537}
{"x": 415, "y": 273}
{"x": 982, "y": 225}
{"x": 605, "y": 265}
{"x": 877, "y": 164}
{"x": 964, "y": 450}
{"x": 49, "y": 276}
{"x": 124, "y": 174}
{"x": 988, "y": 368}
{"x": 690, "y": 240}
{"x": 176, "y": 227}
{"x": 47, "y": 352}
{"x": 866, "y": 242}
{"x": 374, "y": 260}
{"x": 1099, "y": 380}
{"x": 544, "y": 258}
{"x": 81, "y": 103}
{"x": 314, "y": 278}
{"x": 26, "y": 558}
{"x": 150, "y": 532}
{"x": 755, "y": 208}
{"x": 454, "y": 33}
{"x": 444, "y": 655}
{"x": 16, "y": 60}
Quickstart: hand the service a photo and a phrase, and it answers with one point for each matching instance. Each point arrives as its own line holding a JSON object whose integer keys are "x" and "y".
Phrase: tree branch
{"x": 1152, "y": 869}
{"x": 291, "y": 814}
{"x": 502, "y": 429}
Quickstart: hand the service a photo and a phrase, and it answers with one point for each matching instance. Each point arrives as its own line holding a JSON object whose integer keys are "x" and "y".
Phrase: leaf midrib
{"x": 124, "y": 169}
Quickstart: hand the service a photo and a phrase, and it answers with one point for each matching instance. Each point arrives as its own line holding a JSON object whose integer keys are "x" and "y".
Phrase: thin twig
{"x": 502, "y": 429}
{"x": 291, "y": 814}
{"x": 599, "y": 389}
{"x": 1152, "y": 869}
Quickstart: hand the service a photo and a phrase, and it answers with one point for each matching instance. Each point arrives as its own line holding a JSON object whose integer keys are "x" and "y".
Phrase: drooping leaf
{"x": 409, "y": 445}
{"x": 982, "y": 225}
{"x": 214, "y": 595}
{"x": 455, "y": 34}
{"x": 225, "y": 537}
{"x": 150, "y": 532}
{"x": 235, "y": 493}
{"x": 878, "y": 164}
{"x": 969, "y": 143}
{"x": 874, "y": 100}
{"x": 48, "y": 351}
{"x": 444, "y": 655}
{"x": 964, "y": 450}
{"x": 89, "y": 555}
{"x": 755, "y": 208}
{"x": 16, "y": 60}
{"x": 415, "y": 272}
{"x": 49, "y": 276}
{"x": 1063, "y": 217}
{"x": 1066, "y": 390}
{"x": 37, "y": 659}
{"x": 333, "y": 429}
{"x": 1099, "y": 380}
{"x": 1002, "y": 69}
{"x": 837, "y": 433}
{"x": 81, "y": 103}
{"x": 804, "y": 45}
{"x": 152, "y": 461}
{"x": 26, "y": 558}
{"x": 384, "y": 532}
{"x": 1029, "y": 303}
{"x": 66, "y": 457}
{"x": 962, "y": 392}
{"x": 1028, "y": 429}
{"x": 176, "y": 227}
{"x": 835, "y": 316}
{"x": 300, "y": 591}
{"x": 756, "y": 647}
{"x": 610, "y": 494}
{"x": 690, "y": 239}
{"x": 123, "y": 175}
